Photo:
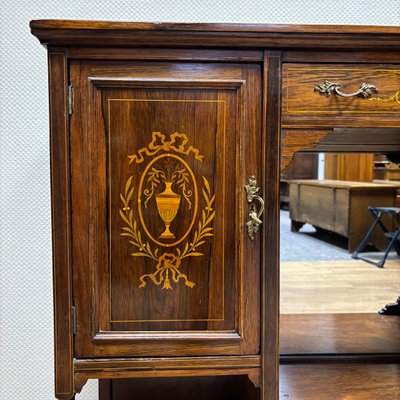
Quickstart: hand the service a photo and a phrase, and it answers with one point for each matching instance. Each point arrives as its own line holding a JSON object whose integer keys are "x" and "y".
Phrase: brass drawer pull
{"x": 327, "y": 88}
{"x": 253, "y": 224}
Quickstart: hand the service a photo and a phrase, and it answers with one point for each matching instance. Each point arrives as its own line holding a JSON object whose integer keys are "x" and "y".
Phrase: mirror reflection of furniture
{"x": 362, "y": 167}
{"x": 340, "y": 207}
{"x": 302, "y": 166}
{"x": 384, "y": 169}
{"x": 357, "y": 167}
{"x": 391, "y": 235}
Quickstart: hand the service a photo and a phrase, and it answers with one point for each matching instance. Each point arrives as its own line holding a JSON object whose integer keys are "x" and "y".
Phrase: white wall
{"x": 26, "y": 332}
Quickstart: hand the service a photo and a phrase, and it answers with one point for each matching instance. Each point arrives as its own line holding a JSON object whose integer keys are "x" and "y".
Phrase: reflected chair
{"x": 393, "y": 236}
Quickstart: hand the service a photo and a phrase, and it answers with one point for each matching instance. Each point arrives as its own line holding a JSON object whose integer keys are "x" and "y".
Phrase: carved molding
{"x": 339, "y": 140}
{"x": 167, "y": 367}
{"x": 296, "y": 140}
{"x": 80, "y": 381}
{"x": 255, "y": 377}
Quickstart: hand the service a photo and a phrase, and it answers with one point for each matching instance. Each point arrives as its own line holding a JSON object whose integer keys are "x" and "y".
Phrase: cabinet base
{"x": 122, "y": 368}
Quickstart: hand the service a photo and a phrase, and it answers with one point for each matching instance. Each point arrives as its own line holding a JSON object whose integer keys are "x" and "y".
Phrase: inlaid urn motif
{"x": 168, "y": 205}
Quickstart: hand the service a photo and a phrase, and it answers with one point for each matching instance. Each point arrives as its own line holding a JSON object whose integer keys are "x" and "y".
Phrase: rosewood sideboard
{"x": 165, "y": 160}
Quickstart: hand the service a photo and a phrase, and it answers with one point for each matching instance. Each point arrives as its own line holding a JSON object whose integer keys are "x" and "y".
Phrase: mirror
{"x": 330, "y": 302}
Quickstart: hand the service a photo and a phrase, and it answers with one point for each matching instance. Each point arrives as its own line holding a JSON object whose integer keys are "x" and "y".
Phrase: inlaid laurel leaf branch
{"x": 203, "y": 230}
{"x": 131, "y": 230}
{"x": 392, "y": 99}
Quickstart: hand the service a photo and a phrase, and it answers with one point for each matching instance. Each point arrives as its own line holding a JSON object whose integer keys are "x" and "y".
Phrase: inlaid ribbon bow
{"x": 158, "y": 143}
{"x": 167, "y": 267}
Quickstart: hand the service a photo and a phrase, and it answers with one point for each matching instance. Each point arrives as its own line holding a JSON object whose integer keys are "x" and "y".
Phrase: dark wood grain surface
{"x": 270, "y": 270}
{"x": 339, "y": 140}
{"x": 220, "y": 55}
{"x": 301, "y": 103}
{"x": 340, "y": 382}
{"x": 294, "y": 140}
{"x": 214, "y": 307}
{"x": 335, "y": 56}
{"x": 339, "y": 334}
{"x": 60, "y": 192}
{"x": 212, "y": 27}
{"x": 128, "y": 34}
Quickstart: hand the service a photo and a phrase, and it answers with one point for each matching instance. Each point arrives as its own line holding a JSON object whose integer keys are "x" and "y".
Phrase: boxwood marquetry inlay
{"x": 166, "y": 187}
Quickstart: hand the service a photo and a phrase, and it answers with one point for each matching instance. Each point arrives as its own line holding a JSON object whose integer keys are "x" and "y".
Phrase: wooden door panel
{"x": 174, "y": 271}
{"x": 177, "y": 274}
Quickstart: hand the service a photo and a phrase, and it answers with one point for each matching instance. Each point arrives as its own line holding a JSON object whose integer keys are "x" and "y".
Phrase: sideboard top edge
{"x": 211, "y": 27}
{"x": 143, "y": 34}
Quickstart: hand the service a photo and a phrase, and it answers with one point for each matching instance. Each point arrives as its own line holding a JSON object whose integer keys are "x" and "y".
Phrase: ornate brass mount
{"x": 327, "y": 88}
{"x": 253, "y": 224}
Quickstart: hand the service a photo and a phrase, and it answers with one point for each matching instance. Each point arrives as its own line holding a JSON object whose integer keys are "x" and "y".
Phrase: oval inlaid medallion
{"x": 167, "y": 200}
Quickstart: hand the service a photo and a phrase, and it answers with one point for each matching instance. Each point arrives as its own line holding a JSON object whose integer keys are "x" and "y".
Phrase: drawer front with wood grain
{"x": 340, "y": 95}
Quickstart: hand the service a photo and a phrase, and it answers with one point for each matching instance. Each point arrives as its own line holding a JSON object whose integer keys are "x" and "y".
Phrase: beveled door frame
{"x": 96, "y": 83}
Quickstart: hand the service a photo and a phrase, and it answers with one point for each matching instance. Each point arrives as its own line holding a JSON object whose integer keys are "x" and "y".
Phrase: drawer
{"x": 304, "y": 106}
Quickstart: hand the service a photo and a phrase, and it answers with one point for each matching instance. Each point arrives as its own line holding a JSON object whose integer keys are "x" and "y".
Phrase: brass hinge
{"x": 73, "y": 320}
{"x": 70, "y": 99}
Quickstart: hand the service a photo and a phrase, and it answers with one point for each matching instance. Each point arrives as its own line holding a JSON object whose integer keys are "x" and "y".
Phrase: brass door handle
{"x": 253, "y": 224}
{"x": 327, "y": 88}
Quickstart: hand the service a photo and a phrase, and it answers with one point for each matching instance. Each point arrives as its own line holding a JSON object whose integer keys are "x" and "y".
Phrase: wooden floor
{"x": 351, "y": 286}
{"x": 330, "y": 307}
{"x": 340, "y": 382}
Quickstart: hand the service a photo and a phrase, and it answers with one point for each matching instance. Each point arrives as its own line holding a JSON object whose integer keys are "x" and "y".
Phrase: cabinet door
{"x": 160, "y": 154}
